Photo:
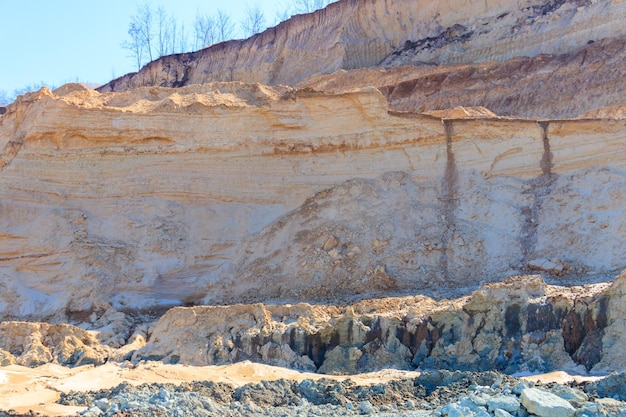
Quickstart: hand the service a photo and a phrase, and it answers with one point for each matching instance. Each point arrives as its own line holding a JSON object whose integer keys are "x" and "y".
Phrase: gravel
{"x": 440, "y": 393}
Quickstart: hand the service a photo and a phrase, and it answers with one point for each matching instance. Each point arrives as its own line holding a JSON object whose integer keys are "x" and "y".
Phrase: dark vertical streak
{"x": 546, "y": 159}
{"x": 540, "y": 188}
{"x": 449, "y": 198}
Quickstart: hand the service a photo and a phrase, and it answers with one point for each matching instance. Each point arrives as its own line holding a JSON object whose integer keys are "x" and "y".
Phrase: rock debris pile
{"x": 518, "y": 325}
{"x": 440, "y": 393}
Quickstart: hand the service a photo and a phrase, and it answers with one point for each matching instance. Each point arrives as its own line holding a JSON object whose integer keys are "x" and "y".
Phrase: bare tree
{"x": 4, "y": 97}
{"x": 253, "y": 22}
{"x": 183, "y": 42}
{"x": 144, "y": 20}
{"x": 293, "y": 7}
{"x": 283, "y": 12}
{"x": 135, "y": 45}
{"x": 308, "y": 6}
{"x": 172, "y": 40}
{"x": 153, "y": 34}
{"x": 141, "y": 37}
{"x": 205, "y": 30}
{"x": 225, "y": 27}
{"x": 166, "y": 26}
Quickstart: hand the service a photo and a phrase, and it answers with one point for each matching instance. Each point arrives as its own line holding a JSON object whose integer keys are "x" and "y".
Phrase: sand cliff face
{"x": 505, "y": 43}
{"x": 585, "y": 79}
{"x": 236, "y": 192}
{"x": 349, "y": 191}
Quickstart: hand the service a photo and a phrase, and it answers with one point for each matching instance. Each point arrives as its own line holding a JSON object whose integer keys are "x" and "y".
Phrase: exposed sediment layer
{"x": 353, "y": 34}
{"x": 232, "y": 193}
{"x": 583, "y": 80}
{"x": 520, "y": 325}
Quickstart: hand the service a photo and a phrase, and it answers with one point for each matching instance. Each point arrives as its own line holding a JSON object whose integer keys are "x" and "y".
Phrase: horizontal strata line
{"x": 33, "y": 256}
{"x": 315, "y": 145}
{"x": 181, "y": 195}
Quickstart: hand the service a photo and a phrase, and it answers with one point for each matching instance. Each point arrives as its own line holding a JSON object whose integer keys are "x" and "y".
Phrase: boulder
{"x": 501, "y": 413}
{"x": 553, "y": 266}
{"x": 613, "y": 386}
{"x": 574, "y": 396}
{"x": 503, "y": 402}
{"x": 545, "y": 404}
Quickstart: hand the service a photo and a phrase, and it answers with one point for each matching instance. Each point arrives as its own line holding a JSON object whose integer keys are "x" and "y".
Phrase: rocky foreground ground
{"x": 522, "y": 325}
{"x": 439, "y": 393}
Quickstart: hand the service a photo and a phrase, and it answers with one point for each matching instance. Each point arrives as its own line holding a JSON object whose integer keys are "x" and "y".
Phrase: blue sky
{"x": 59, "y": 41}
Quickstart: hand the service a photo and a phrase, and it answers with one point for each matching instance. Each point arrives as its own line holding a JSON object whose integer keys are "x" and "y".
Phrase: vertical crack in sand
{"x": 449, "y": 200}
{"x": 540, "y": 188}
{"x": 546, "y": 159}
